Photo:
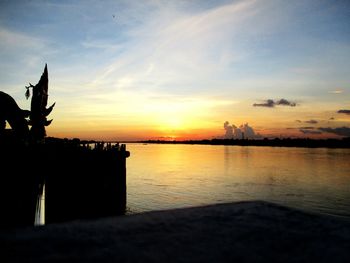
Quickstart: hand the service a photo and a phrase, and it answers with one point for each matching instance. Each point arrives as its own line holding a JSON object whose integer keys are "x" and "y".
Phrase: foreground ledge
{"x": 244, "y": 231}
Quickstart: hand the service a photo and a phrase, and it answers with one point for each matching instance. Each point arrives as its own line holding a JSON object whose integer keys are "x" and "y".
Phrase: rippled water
{"x": 174, "y": 176}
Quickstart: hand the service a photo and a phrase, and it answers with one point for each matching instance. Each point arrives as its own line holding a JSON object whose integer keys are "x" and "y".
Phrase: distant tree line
{"x": 285, "y": 142}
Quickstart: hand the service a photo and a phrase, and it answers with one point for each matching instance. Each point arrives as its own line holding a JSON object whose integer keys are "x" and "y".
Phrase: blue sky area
{"x": 134, "y": 70}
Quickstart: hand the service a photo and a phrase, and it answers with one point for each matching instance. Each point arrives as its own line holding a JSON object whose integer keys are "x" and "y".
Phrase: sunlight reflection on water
{"x": 40, "y": 209}
{"x": 174, "y": 176}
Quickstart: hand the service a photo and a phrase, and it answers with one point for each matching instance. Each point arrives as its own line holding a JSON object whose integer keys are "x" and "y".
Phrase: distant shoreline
{"x": 305, "y": 143}
{"x": 276, "y": 142}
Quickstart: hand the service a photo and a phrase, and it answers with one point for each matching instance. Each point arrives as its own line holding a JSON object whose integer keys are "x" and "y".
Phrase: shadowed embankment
{"x": 245, "y": 231}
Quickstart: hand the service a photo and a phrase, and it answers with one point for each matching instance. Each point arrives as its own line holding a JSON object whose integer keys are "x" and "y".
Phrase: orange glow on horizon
{"x": 176, "y": 134}
{"x": 190, "y": 119}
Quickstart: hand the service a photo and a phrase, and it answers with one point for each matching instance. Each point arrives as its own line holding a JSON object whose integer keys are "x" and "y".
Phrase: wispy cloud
{"x": 14, "y": 40}
{"x": 20, "y": 55}
{"x": 337, "y": 91}
{"x": 268, "y": 103}
{"x": 341, "y": 131}
{"x": 178, "y": 52}
{"x": 21, "y": 47}
{"x": 311, "y": 121}
{"x": 272, "y": 103}
{"x": 344, "y": 111}
{"x": 309, "y": 131}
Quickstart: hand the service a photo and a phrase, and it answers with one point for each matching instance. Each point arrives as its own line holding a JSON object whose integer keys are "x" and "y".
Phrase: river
{"x": 163, "y": 176}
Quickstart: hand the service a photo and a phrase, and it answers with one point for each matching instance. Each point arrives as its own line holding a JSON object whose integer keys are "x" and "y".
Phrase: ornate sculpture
{"x": 39, "y": 112}
{"x": 16, "y": 117}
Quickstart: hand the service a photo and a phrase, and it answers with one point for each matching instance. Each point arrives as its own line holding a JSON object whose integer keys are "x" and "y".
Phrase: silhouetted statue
{"x": 101, "y": 183}
{"x": 39, "y": 112}
{"x": 10, "y": 112}
{"x": 16, "y": 117}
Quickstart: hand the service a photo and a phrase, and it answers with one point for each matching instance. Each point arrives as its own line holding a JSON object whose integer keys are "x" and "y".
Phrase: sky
{"x": 137, "y": 70}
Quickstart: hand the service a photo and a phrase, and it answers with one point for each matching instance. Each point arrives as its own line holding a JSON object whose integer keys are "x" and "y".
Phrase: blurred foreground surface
{"x": 245, "y": 231}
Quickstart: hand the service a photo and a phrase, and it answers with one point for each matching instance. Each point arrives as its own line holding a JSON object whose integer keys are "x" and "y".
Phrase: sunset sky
{"x": 131, "y": 70}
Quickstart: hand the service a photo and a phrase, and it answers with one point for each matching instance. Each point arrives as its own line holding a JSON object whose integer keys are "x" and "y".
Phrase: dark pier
{"x": 81, "y": 181}
{"x": 86, "y": 182}
{"x": 20, "y": 184}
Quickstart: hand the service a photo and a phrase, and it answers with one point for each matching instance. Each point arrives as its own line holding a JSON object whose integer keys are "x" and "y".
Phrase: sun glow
{"x": 172, "y": 123}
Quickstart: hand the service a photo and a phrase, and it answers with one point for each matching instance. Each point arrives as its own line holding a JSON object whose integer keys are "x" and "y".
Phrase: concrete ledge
{"x": 245, "y": 231}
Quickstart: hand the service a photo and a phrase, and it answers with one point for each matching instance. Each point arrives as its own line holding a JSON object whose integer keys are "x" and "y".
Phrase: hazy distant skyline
{"x": 131, "y": 70}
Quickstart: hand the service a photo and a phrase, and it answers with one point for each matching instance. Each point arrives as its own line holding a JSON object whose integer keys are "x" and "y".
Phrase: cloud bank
{"x": 244, "y": 131}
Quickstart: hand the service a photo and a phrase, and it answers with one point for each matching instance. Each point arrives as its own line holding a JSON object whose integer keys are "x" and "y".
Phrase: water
{"x": 40, "y": 209}
{"x": 163, "y": 176}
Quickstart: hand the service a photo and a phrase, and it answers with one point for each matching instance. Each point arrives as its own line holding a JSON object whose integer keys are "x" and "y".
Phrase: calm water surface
{"x": 174, "y": 176}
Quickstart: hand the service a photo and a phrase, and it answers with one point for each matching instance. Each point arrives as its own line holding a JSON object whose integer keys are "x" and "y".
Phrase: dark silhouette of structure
{"x": 39, "y": 112}
{"x": 87, "y": 182}
{"x": 16, "y": 117}
{"x": 80, "y": 181}
{"x": 10, "y": 112}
